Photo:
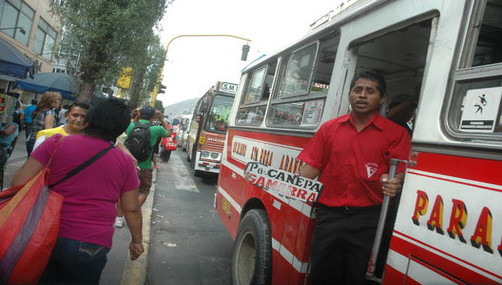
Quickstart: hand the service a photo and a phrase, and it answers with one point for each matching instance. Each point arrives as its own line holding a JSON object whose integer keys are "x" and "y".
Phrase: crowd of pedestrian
{"x": 106, "y": 176}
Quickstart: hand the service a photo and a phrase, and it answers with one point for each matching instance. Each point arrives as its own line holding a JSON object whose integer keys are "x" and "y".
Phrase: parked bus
{"x": 446, "y": 53}
{"x": 208, "y": 128}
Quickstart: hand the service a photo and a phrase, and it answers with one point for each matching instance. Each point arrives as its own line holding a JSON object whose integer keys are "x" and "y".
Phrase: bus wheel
{"x": 252, "y": 256}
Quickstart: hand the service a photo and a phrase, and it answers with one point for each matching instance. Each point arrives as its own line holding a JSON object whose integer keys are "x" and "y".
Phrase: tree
{"x": 147, "y": 66}
{"x": 100, "y": 35}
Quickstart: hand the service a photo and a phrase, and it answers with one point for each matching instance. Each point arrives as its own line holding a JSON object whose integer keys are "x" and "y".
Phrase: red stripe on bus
{"x": 447, "y": 265}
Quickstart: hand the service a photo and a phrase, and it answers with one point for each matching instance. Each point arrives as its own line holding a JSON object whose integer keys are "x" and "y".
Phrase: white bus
{"x": 445, "y": 53}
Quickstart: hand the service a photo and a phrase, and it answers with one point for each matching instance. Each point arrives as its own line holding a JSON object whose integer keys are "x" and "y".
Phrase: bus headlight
{"x": 204, "y": 154}
{"x": 215, "y": 155}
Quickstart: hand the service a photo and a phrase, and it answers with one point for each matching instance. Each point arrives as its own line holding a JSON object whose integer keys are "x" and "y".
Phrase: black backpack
{"x": 138, "y": 141}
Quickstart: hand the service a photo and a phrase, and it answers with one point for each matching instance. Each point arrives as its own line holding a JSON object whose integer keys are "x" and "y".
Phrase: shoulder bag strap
{"x": 84, "y": 165}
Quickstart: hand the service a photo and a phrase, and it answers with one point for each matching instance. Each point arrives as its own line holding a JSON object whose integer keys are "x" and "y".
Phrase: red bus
{"x": 208, "y": 128}
{"x": 446, "y": 53}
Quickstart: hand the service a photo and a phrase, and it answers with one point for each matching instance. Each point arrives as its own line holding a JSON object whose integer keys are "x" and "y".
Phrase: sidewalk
{"x": 119, "y": 269}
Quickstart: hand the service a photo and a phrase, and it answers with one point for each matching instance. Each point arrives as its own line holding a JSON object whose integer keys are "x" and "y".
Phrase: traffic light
{"x": 245, "y": 50}
{"x": 162, "y": 88}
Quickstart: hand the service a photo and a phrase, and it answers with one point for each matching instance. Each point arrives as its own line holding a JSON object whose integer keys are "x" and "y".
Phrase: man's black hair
{"x": 78, "y": 104}
{"x": 107, "y": 119}
{"x": 373, "y": 76}
{"x": 34, "y": 102}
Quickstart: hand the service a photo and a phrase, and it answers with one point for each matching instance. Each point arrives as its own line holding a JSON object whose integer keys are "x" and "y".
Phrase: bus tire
{"x": 252, "y": 256}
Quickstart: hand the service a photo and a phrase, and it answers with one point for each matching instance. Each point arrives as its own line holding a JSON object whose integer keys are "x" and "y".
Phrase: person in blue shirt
{"x": 28, "y": 119}
{"x": 8, "y": 133}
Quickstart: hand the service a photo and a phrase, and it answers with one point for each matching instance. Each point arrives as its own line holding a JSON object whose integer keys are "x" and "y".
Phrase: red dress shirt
{"x": 351, "y": 162}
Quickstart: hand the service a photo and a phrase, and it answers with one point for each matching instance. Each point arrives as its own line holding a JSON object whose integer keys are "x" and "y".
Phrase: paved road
{"x": 189, "y": 244}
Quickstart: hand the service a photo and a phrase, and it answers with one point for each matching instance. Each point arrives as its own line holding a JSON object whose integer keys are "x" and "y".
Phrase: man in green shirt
{"x": 146, "y": 167}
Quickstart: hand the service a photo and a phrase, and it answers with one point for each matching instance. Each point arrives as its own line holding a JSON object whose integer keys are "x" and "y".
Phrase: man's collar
{"x": 377, "y": 120}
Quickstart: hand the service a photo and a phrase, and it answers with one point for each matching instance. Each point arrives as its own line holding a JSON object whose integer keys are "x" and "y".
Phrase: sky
{"x": 195, "y": 63}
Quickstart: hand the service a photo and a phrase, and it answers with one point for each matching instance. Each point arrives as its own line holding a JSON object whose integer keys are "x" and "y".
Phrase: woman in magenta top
{"x": 88, "y": 211}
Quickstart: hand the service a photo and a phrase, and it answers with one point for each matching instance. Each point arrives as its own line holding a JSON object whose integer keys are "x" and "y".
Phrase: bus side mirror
{"x": 245, "y": 50}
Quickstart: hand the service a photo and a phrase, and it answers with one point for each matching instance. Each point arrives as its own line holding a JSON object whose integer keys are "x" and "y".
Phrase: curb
{"x": 134, "y": 272}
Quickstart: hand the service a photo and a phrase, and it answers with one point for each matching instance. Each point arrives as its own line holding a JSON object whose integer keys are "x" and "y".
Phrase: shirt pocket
{"x": 373, "y": 168}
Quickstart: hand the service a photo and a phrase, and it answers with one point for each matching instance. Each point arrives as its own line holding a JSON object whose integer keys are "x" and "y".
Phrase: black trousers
{"x": 341, "y": 244}
{"x": 165, "y": 155}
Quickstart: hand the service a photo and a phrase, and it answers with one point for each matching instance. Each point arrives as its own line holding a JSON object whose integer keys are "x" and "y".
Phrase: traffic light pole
{"x": 245, "y": 50}
{"x": 158, "y": 88}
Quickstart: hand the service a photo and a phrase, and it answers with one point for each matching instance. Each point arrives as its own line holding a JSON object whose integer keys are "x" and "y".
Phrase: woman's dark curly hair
{"x": 107, "y": 120}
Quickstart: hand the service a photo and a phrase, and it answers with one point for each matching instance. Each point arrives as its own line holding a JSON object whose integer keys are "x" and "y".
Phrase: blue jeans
{"x": 75, "y": 262}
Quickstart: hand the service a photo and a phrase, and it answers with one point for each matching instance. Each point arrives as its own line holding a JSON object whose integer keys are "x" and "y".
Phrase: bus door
{"x": 401, "y": 55}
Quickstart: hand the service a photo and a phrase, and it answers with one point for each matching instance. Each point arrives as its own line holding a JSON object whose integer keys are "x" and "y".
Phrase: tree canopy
{"x": 102, "y": 36}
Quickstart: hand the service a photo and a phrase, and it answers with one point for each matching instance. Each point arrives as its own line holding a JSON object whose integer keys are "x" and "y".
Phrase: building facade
{"x": 30, "y": 26}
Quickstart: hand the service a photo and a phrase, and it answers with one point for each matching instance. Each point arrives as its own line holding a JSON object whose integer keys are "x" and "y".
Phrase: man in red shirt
{"x": 351, "y": 155}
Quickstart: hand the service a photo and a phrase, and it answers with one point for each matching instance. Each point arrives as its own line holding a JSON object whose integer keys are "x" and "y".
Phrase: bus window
{"x": 488, "y": 46}
{"x": 477, "y": 94}
{"x": 307, "y": 73}
{"x": 296, "y": 79}
{"x": 256, "y": 87}
{"x": 252, "y": 110}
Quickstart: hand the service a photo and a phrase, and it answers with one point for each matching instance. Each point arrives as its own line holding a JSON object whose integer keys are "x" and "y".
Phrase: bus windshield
{"x": 217, "y": 120}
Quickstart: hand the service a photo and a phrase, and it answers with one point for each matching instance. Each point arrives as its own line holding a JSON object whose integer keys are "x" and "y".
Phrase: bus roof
{"x": 342, "y": 13}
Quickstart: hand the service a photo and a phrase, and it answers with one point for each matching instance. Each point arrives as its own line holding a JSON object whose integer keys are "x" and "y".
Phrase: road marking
{"x": 183, "y": 180}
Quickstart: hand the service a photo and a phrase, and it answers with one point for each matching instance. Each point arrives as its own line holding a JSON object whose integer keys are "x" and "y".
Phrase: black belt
{"x": 348, "y": 210}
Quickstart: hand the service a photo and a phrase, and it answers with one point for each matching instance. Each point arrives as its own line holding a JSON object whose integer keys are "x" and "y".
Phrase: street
{"x": 189, "y": 245}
